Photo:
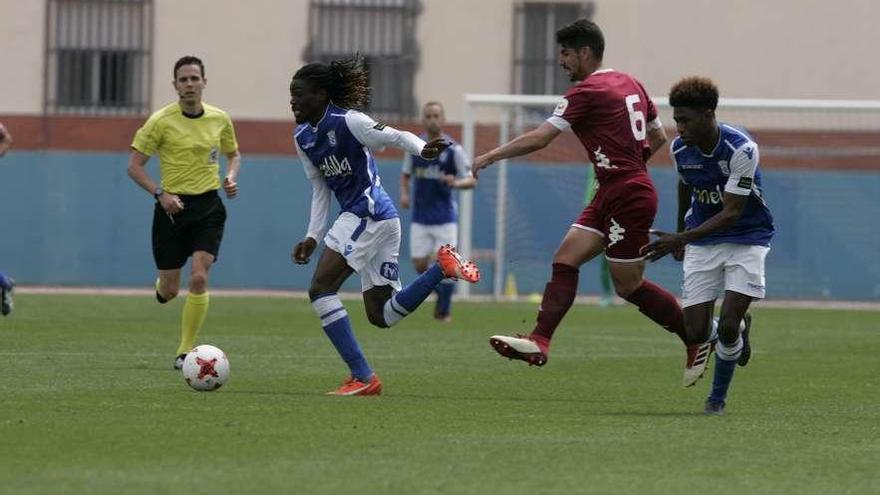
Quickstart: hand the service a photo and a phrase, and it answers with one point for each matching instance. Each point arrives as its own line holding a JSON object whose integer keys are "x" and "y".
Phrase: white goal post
{"x": 514, "y": 114}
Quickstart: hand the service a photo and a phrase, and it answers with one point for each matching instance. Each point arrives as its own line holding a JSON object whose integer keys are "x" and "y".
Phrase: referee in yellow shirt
{"x": 189, "y": 216}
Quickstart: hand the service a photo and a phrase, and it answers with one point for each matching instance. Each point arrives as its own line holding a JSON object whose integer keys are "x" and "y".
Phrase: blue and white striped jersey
{"x": 731, "y": 167}
{"x": 336, "y": 157}
{"x": 434, "y": 201}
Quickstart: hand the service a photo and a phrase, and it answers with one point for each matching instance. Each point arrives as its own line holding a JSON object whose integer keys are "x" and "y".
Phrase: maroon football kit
{"x": 610, "y": 113}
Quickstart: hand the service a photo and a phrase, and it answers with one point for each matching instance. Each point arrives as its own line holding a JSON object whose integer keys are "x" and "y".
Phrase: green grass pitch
{"x": 89, "y": 404}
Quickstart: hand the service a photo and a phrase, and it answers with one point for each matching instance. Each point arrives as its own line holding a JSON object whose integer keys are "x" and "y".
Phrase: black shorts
{"x": 199, "y": 227}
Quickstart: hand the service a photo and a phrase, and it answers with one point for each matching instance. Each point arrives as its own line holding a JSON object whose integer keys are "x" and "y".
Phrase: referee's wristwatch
{"x": 158, "y": 192}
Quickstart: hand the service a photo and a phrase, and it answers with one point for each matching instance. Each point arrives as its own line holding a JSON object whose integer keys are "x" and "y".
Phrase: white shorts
{"x": 425, "y": 240}
{"x": 370, "y": 247}
{"x": 711, "y": 270}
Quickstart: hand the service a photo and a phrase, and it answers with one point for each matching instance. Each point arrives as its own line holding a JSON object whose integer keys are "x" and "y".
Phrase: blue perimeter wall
{"x": 71, "y": 218}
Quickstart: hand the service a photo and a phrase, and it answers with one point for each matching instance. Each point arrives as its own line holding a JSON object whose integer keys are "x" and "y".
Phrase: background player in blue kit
{"x": 333, "y": 142}
{"x": 727, "y": 230}
{"x": 434, "y": 209}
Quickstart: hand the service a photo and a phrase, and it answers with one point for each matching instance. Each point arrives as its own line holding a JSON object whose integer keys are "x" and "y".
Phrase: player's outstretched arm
{"x": 734, "y": 204}
{"x": 433, "y": 148}
{"x": 527, "y": 143}
{"x": 377, "y": 136}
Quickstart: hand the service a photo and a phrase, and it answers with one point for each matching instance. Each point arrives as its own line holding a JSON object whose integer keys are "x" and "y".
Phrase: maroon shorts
{"x": 622, "y": 212}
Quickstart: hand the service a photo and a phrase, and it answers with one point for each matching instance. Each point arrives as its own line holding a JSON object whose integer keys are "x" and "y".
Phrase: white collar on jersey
{"x": 601, "y": 71}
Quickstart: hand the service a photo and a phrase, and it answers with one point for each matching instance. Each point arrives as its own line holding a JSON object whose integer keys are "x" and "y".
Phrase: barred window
{"x": 536, "y": 56}
{"x": 383, "y": 31}
{"x": 98, "y": 57}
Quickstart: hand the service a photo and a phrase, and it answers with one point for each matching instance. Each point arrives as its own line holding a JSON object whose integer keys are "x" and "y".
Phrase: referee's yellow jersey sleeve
{"x": 149, "y": 137}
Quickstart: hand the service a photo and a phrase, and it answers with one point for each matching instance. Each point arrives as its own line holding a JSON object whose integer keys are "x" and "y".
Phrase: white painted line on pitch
{"x": 475, "y": 298}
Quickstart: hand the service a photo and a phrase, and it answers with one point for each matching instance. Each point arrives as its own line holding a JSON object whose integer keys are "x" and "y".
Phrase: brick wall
{"x": 780, "y": 149}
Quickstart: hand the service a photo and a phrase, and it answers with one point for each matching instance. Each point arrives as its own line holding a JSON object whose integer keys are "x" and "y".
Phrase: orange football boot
{"x": 353, "y": 386}
{"x": 454, "y": 266}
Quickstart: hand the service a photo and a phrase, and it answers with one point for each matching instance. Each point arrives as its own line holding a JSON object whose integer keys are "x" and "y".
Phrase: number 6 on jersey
{"x": 636, "y": 117}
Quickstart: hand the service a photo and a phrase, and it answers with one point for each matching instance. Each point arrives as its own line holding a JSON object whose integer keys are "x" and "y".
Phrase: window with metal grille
{"x": 536, "y": 56}
{"x": 98, "y": 56}
{"x": 383, "y": 31}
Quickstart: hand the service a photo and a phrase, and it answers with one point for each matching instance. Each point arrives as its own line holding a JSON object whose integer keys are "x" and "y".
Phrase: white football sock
{"x": 393, "y": 311}
{"x": 731, "y": 352}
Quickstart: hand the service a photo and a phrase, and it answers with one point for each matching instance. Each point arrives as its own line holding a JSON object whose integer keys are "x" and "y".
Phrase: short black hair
{"x": 694, "y": 92}
{"x": 580, "y": 33}
{"x": 189, "y": 60}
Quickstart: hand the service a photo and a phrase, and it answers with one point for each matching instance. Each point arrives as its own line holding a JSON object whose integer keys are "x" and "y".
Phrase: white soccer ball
{"x": 205, "y": 368}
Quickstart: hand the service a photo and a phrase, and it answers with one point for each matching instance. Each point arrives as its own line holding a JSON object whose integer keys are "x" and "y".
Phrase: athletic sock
{"x": 444, "y": 297}
{"x": 726, "y": 357}
{"x": 407, "y": 300}
{"x": 337, "y": 326}
{"x": 659, "y": 305}
{"x": 194, "y": 311}
{"x": 559, "y": 295}
{"x": 713, "y": 333}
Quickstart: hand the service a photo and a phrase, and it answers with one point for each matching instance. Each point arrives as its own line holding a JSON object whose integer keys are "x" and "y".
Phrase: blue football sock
{"x": 444, "y": 297}
{"x": 415, "y": 293}
{"x": 721, "y": 379}
{"x": 337, "y": 326}
{"x": 726, "y": 357}
{"x": 407, "y": 300}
